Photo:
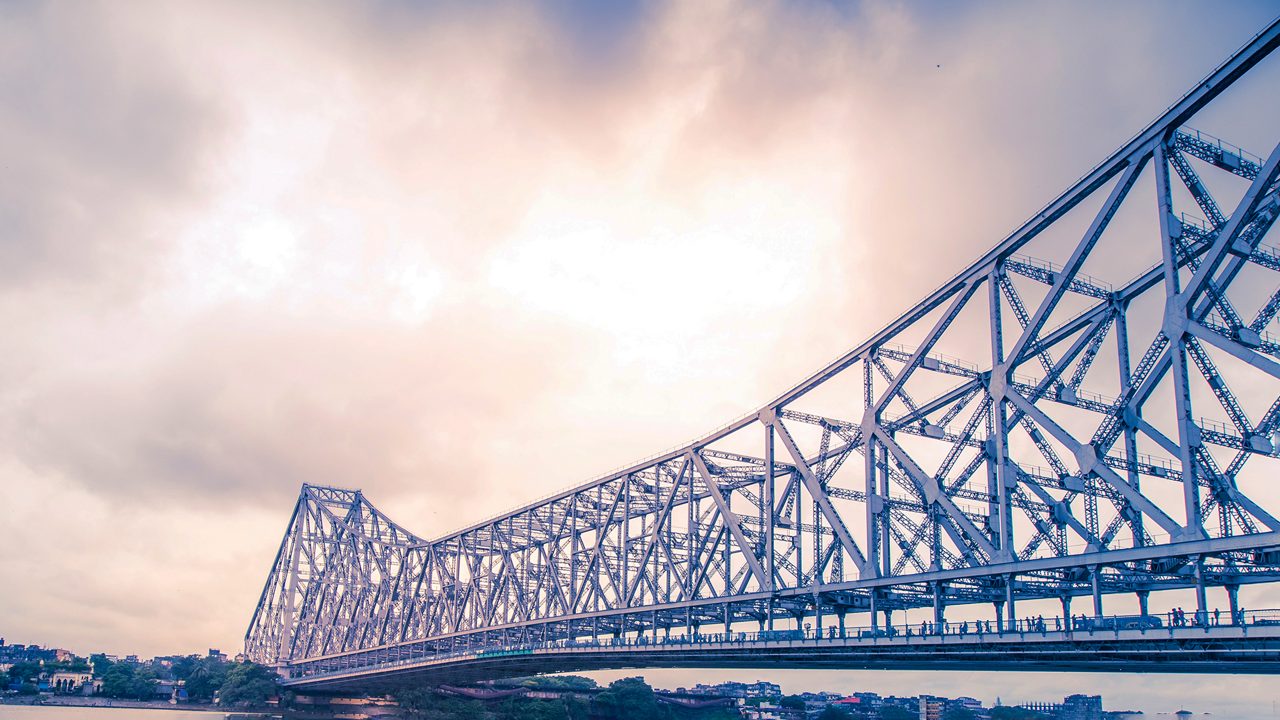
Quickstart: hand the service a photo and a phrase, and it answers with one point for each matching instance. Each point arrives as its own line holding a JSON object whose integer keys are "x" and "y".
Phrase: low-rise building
{"x": 71, "y": 682}
{"x": 1081, "y": 707}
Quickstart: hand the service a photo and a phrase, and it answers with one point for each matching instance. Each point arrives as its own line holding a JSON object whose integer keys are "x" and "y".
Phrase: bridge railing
{"x": 1173, "y": 621}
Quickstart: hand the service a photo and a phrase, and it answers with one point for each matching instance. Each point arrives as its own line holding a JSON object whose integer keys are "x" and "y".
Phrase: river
{"x": 59, "y": 712}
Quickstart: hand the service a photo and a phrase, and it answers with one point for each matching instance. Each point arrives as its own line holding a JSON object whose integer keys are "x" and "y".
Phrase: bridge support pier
{"x": 1143, "y": 596}
{"x": 875, "y": 622}
{"x": 999, "y": 615}
{"x": 1066, "y": 612}
{"x": 1233, "y": 598}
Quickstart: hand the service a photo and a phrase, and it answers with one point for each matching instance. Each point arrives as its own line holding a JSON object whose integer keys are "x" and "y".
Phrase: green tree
{"x": 834, "y": 712}
{"x": 958, "y": 712}
{"x": 117, "y": 681}
{"x": 1009, "y": 712}
{"x": 24, "y": 670}
{"x": 576, "y": 709}
{"x": 183, "y": 667}
{"x": 553, "y": 682}
{"x": 895, "y": 712}
{"x": 426, "y": 705}
{"x": 526, "y": 709}
{"x": 100, "y": 664}
{"x": 125, "y": 680}
{"x": 630, "y": 699}
{"x": 794, "y": 702}
{"x": 247, "y": 683}
{"x": 205, "y": 678}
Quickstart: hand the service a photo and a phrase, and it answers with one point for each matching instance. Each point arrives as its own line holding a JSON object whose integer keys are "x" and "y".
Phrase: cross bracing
{"x": 1092, "y": 407}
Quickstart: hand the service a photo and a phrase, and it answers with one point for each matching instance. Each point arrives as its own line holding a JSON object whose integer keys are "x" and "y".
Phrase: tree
{"x": 100, "y": 664}
{"x": 205, "y": 678}
{"x": 553, "y": 682}
{"x": 247, "y": 683}
{"x": 426, "y": 705}
{"x": 183, "y": 667}
{"x": 958, "y": 712}
{"x": 1009, "y": 712}
{"x": 24, "y": 670}
{"x": 894, "y": 712}
{"x": 525, "y": 709}
{"x": 834, "y": 712}
{"x": 125, "y": 680}
{"x": 576, "y": 709}
{"x": 630, "y": 698}
{"x": 794, "y": 702}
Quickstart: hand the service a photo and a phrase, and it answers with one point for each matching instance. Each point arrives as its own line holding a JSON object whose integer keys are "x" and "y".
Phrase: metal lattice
{"x": 1104, "y": 435}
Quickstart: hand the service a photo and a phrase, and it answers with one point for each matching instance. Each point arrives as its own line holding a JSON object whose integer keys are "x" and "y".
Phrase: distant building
{"x": 216, "y": 654}
{"x": 1081, "y": 707}
{"x": 1044, "y": 708}
{"x": 71, "y": 682}
{"x": 931, "y": 707}
{"x": 61, "y": 655}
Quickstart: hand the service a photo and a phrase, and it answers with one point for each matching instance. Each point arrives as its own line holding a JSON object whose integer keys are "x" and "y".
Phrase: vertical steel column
{"x": 938, "y": 614}
{"x": 1003, "y": 537}
{"x": 1175, "y": 329}
{"x": 1130, "y": 432}
{"x": 1095, "y": 573}
{"x": 626, "y": 544}
{"x": 768, "y": 509}
{"x": 1010, "y": 607}
{"x": 1202, "y": 606}
{"x": 874, "y": 506}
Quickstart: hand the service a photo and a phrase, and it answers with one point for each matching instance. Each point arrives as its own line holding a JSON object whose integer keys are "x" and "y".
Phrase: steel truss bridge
{"x": 1111, "y": 429}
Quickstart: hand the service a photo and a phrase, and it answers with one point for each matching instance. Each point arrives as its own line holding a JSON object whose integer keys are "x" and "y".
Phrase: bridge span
{"x": 1089, "y": 411}
{"x": 1251, "y": 644}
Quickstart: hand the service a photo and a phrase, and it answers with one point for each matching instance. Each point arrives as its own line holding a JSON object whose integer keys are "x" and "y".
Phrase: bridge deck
{"x": 1215, "y": 649}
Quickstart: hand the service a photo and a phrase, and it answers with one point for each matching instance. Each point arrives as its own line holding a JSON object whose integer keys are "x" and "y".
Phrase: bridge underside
{"x": 1182, "y": 650}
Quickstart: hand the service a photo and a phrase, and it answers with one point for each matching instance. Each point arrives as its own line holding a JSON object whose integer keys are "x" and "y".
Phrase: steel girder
{"x": 1105, "y": 434}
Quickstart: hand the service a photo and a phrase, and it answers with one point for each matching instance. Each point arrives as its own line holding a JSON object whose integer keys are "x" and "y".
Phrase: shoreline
{"x": 90, "y": 702}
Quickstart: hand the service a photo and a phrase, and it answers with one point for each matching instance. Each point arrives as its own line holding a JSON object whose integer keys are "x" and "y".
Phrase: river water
{"x": 53, "y": 712}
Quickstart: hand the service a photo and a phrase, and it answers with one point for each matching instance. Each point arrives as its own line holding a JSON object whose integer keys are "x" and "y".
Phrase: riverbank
{"x": 99, "y": 702}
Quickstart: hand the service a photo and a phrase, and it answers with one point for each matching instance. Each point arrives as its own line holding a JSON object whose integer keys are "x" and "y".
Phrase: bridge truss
{"x": 1113, "y": 428}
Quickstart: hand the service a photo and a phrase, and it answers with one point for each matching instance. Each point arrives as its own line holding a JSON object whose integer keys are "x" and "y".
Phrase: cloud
{"x": 462, "y": 255}
{"x": 244, "y": 408}
{"x": 102, "y": 144}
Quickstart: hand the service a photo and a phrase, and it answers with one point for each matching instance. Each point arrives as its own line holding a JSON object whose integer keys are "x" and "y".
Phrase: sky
{"x": 462, "y": 255}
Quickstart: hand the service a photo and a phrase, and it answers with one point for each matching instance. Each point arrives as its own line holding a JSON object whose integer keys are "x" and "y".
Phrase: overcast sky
{"x": 461, "y": 255}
